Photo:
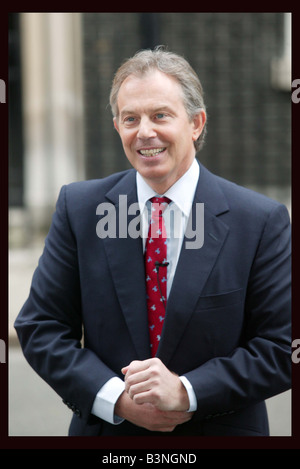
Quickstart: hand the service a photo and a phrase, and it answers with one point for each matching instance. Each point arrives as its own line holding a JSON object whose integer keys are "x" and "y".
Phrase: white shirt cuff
{"x": 106, "y": 398}
{"x": 191, "y": 393}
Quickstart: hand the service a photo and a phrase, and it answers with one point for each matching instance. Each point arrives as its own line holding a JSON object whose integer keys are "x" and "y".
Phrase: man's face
{"x": 157, "y": 135}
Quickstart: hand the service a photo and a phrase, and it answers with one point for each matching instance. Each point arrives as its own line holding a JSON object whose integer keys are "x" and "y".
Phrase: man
{"x": 224, "y": 300}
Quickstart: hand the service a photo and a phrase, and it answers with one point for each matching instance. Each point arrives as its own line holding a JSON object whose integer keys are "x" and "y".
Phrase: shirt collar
{"x": 181, "y": 193}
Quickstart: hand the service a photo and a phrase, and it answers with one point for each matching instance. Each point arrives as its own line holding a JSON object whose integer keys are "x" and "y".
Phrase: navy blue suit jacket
{"x": 227, "y": 326}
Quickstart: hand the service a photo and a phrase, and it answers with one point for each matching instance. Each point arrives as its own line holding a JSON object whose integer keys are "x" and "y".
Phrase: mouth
{"x": 151, "y": 152}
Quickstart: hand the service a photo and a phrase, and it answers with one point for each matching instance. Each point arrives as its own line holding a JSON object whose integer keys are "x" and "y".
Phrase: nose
{"x": 146, "y": 129}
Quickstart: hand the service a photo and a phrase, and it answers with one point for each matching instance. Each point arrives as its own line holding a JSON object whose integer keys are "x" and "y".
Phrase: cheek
{"x": 126, "y": 139}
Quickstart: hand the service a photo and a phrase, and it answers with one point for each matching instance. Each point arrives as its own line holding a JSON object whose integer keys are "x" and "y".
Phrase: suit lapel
{"x": 194, "y": 265}
{"x": 126, "y": 261}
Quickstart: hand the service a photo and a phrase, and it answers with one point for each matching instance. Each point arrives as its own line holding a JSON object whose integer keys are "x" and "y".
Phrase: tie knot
{"x": 159, "y": 205}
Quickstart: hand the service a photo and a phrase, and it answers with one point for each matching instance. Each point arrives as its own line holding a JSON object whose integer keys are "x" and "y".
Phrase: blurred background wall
{"x": 61, "y": 66}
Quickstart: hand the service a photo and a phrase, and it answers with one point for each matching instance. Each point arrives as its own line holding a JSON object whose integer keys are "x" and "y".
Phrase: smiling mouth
{"x": 151, "y": 152}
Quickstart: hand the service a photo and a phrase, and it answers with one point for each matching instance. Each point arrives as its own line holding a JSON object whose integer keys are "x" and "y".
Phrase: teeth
{"x": 152, "y": 152}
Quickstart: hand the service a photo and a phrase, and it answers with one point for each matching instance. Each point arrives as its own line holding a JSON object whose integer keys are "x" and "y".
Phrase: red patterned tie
{"x": 156, "y": 275}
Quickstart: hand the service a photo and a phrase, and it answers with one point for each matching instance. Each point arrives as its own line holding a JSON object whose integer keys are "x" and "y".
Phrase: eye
{"x": 160, "y": 115}
{"x": 129, "y": 119}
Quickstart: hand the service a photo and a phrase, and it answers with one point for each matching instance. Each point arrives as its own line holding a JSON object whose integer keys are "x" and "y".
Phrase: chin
{"x": 155, "y": 176}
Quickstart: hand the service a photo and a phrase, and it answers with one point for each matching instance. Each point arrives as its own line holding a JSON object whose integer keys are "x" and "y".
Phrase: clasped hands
{"x": 154, "y": 397}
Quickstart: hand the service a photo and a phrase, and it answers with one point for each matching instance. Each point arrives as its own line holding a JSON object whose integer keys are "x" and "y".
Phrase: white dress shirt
{"x": 182, "y": 195}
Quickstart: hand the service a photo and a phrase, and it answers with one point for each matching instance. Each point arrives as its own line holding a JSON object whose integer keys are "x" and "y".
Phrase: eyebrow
{"x": 162, "y": 107}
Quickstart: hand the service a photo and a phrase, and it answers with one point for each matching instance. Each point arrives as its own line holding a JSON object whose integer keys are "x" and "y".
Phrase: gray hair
{"x": 171, "y": 64}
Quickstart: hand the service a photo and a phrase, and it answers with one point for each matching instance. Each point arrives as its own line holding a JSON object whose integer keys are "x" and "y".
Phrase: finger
{"x": 124, "y": 370}
{"x": 138, "y": 377}
{"x": 165, "y": 429}
{"x": 177, "y": 418}
{"x": 136, "y": 366}
{"x": 139, "y": 365}
{"x": 139, "y": 396}
{"x": 133, "y": 367}
{"x": 136, "y": 384}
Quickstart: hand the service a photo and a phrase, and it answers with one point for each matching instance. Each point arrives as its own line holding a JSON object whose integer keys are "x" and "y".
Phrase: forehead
{"x": 151, "y": 88}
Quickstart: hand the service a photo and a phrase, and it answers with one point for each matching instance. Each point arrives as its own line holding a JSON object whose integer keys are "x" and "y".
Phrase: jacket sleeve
{"x": 49, "y": 326}
{"x": 261, "y": 366}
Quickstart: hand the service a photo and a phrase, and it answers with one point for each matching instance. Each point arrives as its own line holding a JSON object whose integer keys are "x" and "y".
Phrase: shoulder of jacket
{"x": 94, "y": 186}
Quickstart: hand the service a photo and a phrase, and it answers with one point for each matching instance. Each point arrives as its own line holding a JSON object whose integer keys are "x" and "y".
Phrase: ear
{"x": 198, "y": 122}
{"x": 115, "y": 120}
